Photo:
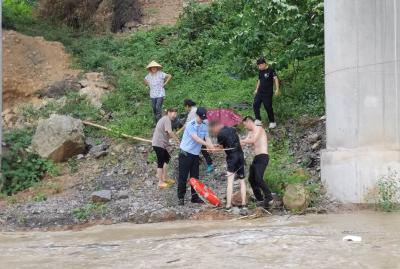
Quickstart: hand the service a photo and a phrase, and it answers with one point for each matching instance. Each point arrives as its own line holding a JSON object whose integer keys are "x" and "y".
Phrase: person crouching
{"x": 228, "y": 139}
{"x": 162, "y": 133}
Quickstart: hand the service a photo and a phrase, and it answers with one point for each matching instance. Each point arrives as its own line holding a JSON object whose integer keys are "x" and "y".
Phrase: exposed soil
{"x": 31, "y": 64}
{"x": 163, "y": 12}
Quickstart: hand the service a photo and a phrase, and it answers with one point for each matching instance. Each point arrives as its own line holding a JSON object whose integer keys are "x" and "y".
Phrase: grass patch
{"x": 83, "y": 213}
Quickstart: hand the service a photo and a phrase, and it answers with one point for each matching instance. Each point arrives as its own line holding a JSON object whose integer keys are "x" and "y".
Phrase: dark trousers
{"x": 188, "y": 165}
{"x": 156, "y": 105}
{"x": 266, "y": 100}
{"x": 256, "y": 177}
{"x": 206, "y": 156}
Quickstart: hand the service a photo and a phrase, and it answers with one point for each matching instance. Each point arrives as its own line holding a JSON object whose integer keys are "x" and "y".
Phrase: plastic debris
{"x": 352, "y": 238}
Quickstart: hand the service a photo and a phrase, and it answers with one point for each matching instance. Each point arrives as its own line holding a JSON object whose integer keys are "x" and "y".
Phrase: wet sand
{"x": 311, "y": 241}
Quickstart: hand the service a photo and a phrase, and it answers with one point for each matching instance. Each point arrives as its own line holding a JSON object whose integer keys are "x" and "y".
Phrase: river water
{"x": 311, "y": 241}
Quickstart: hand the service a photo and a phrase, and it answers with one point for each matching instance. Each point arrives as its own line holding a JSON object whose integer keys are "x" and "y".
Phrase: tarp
{"x": 226, "y": 116}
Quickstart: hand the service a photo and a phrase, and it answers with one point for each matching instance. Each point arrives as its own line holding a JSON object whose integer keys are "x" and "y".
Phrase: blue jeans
{"x": 156, "y": 104}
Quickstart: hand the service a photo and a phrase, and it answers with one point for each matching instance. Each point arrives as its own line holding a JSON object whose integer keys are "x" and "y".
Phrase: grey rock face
{"x": 59, "y": 138}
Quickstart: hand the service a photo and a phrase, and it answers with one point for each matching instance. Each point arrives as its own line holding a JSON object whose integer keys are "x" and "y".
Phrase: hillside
{"x": 210, "y": 52}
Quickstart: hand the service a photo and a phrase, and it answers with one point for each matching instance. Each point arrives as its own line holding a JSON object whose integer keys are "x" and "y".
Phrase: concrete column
{"x": 362, "y": 52}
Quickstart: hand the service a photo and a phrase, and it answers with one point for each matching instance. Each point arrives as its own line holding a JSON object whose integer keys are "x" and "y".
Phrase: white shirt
{"x": 191, "y": 115}
{"x": 156, "y": 83}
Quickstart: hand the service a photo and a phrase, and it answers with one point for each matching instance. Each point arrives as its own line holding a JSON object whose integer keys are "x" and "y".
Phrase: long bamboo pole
{"x": 113, "y": 131}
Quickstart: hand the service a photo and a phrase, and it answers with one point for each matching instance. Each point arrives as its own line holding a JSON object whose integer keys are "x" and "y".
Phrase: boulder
{"x": 94, "y": 87}
{"x": 296, "y": 198}
{"x": 237, "y": 198}
{"x": 61, "y": 88}
{"x": 102, "y": 196}
{"x": 59, "y": 138}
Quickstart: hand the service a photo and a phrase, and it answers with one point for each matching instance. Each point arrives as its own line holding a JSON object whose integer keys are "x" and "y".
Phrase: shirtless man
{"x": 258, "y": 138}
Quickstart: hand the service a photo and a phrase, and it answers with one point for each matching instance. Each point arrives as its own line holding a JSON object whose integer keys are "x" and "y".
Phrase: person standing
{"x": 194, "y": 136}
{"x": 160, "y": 142}
{"x": 264, "y": 92}
{"x": 156, "y": 80}
{"x": 191, "y": 108}
{"x": 257, "y": 137}
{"x": 228, "y": 139}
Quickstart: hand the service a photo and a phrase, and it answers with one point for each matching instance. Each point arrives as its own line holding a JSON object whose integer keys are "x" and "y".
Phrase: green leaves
{"x": 21, "y": 168}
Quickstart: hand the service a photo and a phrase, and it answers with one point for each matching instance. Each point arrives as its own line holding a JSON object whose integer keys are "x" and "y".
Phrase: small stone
{"x": 313, "y": 138}
{"x": 235, "y": 211}
{"x": 316, "y": 145}
{"x": 123, "y": 194}
{"x": 101, "y": 196}
{"x": 100, "y": 154}
{"x": 80, "y": 157}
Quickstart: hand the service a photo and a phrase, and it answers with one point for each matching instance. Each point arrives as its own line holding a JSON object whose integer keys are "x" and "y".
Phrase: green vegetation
{"x": 83, "y": 213}
{"x": 211, "y": 54}
{"x": 17, "y": 12}
{"x": 40, "y": 197}
{"x": 388, "y": 193}
{"x": 21, "y": 168}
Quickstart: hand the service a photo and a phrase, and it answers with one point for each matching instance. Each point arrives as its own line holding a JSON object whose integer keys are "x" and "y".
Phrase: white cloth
{"x": 191, "y": 115}
{"x": 156, "y": 83}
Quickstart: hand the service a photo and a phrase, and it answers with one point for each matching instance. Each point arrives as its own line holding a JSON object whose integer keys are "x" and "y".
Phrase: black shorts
{"x": 235, "y": 164}
{"x": 162, "y": 156}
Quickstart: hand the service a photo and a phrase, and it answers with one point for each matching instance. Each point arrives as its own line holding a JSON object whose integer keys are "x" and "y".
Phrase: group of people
{"x": 196, "y": 139}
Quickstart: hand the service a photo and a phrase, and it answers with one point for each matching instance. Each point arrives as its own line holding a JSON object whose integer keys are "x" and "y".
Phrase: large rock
{"x": 237, "y": 198}
{"x": 59, "y": 138}
{"x": 94, "y": 86}
{"x": 102, "y": 196}
{"x": 296, "y": 198}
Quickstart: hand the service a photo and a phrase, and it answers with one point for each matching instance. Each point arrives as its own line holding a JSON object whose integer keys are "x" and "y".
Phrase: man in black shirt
{"x": 264, "y": 92}
{"x": 228, "y": 139}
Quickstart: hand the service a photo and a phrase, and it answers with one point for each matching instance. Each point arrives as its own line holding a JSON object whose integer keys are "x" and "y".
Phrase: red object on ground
{"x": 204, "y": 192}
{"x": 226, "y": 116}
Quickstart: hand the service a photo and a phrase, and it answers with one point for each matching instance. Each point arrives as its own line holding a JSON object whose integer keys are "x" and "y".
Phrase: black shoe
{"x": 181, "y": 202}
{"x": 197, "y": 200}
{"x": 268, "y": 203}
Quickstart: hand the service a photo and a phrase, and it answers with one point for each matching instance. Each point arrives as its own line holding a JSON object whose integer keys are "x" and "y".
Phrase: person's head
{"x": 188, "y": 104}
{"x": 172, "y": 113}
{"x": 201, "y": 114}
{"x": 262, "y": 64}
{"x": 153, "y": 67}
{"x": 215, "y": 126}
{"x": 248, "y": 122}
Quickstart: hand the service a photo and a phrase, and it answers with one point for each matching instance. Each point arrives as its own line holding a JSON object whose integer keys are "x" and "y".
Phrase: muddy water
{"x": 312, "y": 241}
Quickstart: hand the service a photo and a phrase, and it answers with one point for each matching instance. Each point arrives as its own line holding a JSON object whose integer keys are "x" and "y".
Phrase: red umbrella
{"x": 226, "y": 116}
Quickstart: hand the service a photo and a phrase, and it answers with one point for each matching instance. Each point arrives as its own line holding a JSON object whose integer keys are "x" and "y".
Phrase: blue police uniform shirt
{"x": 188, "y": 144}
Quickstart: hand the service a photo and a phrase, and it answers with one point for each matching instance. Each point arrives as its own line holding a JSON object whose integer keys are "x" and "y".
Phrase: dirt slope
{"x": 162, "y": 12}
{"x": 30, "y": 64}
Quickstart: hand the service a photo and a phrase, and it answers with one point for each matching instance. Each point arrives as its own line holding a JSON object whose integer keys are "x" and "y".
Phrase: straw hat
{"x": 153, "y": 64}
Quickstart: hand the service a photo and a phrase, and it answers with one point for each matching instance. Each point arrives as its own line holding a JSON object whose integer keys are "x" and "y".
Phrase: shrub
{"x": 388, "y": 192}
{"x": 17, "y": 12}
{"x": 21, "y": 168}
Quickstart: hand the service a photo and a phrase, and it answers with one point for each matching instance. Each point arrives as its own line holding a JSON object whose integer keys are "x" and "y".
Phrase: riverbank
{"x": 127, "y": 171}
{"x": 311, "y": 241}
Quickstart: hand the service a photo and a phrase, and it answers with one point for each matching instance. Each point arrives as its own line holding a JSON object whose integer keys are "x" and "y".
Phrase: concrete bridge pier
{"x": 362, "y": 84}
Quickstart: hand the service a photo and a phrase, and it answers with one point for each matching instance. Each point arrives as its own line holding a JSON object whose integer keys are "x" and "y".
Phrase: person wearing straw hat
{"x": 156, "y": 80}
